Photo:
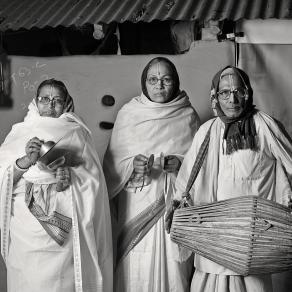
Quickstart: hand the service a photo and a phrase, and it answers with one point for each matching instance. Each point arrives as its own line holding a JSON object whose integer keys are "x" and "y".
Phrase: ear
{"x": 212, "y": 93}
{"x": 214, "y": 102}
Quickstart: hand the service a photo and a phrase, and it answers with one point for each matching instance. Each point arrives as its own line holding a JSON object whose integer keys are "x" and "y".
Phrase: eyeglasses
{"x": 239, "y": 92}
{"x": 56, "y": 100}
{"x": 165, "y": 80}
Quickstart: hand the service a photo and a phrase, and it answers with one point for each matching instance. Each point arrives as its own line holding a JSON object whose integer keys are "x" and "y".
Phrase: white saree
{"x": 265, "y": 173}
{"x": 35, "y": 262}
{"x": 145, "y": 127}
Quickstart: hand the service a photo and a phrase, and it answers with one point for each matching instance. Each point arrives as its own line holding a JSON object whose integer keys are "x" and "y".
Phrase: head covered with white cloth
{"x": 160, "y": 120}
{"x": 82, "y": 203}
{"x": 152, "y": 132}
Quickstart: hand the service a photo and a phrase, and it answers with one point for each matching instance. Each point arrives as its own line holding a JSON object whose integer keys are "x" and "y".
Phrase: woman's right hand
{"x": 140, "y": 164}
{"x": 32, "y": 149}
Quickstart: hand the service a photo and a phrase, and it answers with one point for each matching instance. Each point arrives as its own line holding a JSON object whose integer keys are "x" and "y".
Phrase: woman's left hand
{"x": 171, "y": 163}
{"x": 63, "y": 178}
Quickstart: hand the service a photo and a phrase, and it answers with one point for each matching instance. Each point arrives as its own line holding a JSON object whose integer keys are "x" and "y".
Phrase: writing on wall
{"x": 29, "y": 77}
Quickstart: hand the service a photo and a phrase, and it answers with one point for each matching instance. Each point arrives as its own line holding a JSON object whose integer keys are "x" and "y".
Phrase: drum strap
{"x": 187, "y": 200}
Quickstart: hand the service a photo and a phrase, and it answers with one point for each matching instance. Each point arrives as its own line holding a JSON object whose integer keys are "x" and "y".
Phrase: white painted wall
{"x": 88, "y": 78}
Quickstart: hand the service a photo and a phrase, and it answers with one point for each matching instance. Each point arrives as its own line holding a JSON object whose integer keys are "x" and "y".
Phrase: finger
{"x": 64, "y": 180}
{"x": 170, "y": 156}
{"x": 141, "y": 169}
{"x": 140, "y": 165}
{"x": 172, "y": 160}
{"x": 59, "y": 172}
{"x": 61, "y": 175}
{"x": 169, "y": 169}
{"x": 141, "y": 157}
{"x": 33, "y": 149}
{"x": 36, "y": 141}
{"x": 57, "y": 163}
{"x": 170, "y": 166}
{"x": 35, "y": 144}
{"x": 62, "y": 171}
{"x": 140, "y": 162}
{"x": 33, "y": 157}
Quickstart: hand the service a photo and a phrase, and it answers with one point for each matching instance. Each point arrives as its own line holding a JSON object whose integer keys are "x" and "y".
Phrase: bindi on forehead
{"x": 51, "y": 92}
{"x": 159, "y": 69}
{"x": 230, "y": 80}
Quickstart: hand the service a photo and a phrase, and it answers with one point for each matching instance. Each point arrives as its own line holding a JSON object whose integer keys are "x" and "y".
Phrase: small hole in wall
{"x": 106, "y": 125}
{"x": 108, "y": 100}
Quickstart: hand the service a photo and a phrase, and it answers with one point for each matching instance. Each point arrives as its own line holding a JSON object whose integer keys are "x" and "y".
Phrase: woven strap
{"x": 134, "y": 231}
{"x": 187, "y": 201}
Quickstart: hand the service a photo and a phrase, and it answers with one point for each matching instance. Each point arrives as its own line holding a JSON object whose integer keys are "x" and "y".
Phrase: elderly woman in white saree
{"x": 241, "y": 152}
{"x": 150, "y": 137}
{"x": 55, "y": 219}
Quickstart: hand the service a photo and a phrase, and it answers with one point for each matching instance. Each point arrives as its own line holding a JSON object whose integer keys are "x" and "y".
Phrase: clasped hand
{"x": 142, "y": 166}
{"x": 171, "y": 163}
{"x": 32, "y": 150}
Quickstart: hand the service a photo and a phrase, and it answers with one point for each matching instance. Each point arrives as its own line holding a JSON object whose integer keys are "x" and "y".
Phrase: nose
{"x": 52, "y": 103}
{"x": 160, "y": 83}
{"x": 233, "y": 98}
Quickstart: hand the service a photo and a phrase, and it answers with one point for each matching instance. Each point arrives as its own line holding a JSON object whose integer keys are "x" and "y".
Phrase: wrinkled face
{"x": 50, "y": 102}
{"x": 159, "y": 82}
{"x": 232, "y": 95}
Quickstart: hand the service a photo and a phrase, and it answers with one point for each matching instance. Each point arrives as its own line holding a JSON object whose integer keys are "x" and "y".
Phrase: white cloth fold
{"x": 266, "y": 173}
{"x": 34, "y": 261}
{"x": 145, "y": 127}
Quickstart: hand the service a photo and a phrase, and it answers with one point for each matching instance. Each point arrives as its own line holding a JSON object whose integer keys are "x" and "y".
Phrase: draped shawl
{"x": 146, "y": 127}
{"x": 273, "y": 183}
{"x": 88, "y": 194}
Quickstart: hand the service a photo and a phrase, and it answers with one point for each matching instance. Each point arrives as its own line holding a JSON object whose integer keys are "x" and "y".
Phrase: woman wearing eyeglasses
{"x": 55, "y": 219}
{"x": 248, "y": 154}
{"x": 150, "y": 137}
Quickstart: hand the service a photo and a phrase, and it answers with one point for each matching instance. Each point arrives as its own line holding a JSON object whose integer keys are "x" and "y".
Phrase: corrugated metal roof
{"x": 15, "y": 14}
